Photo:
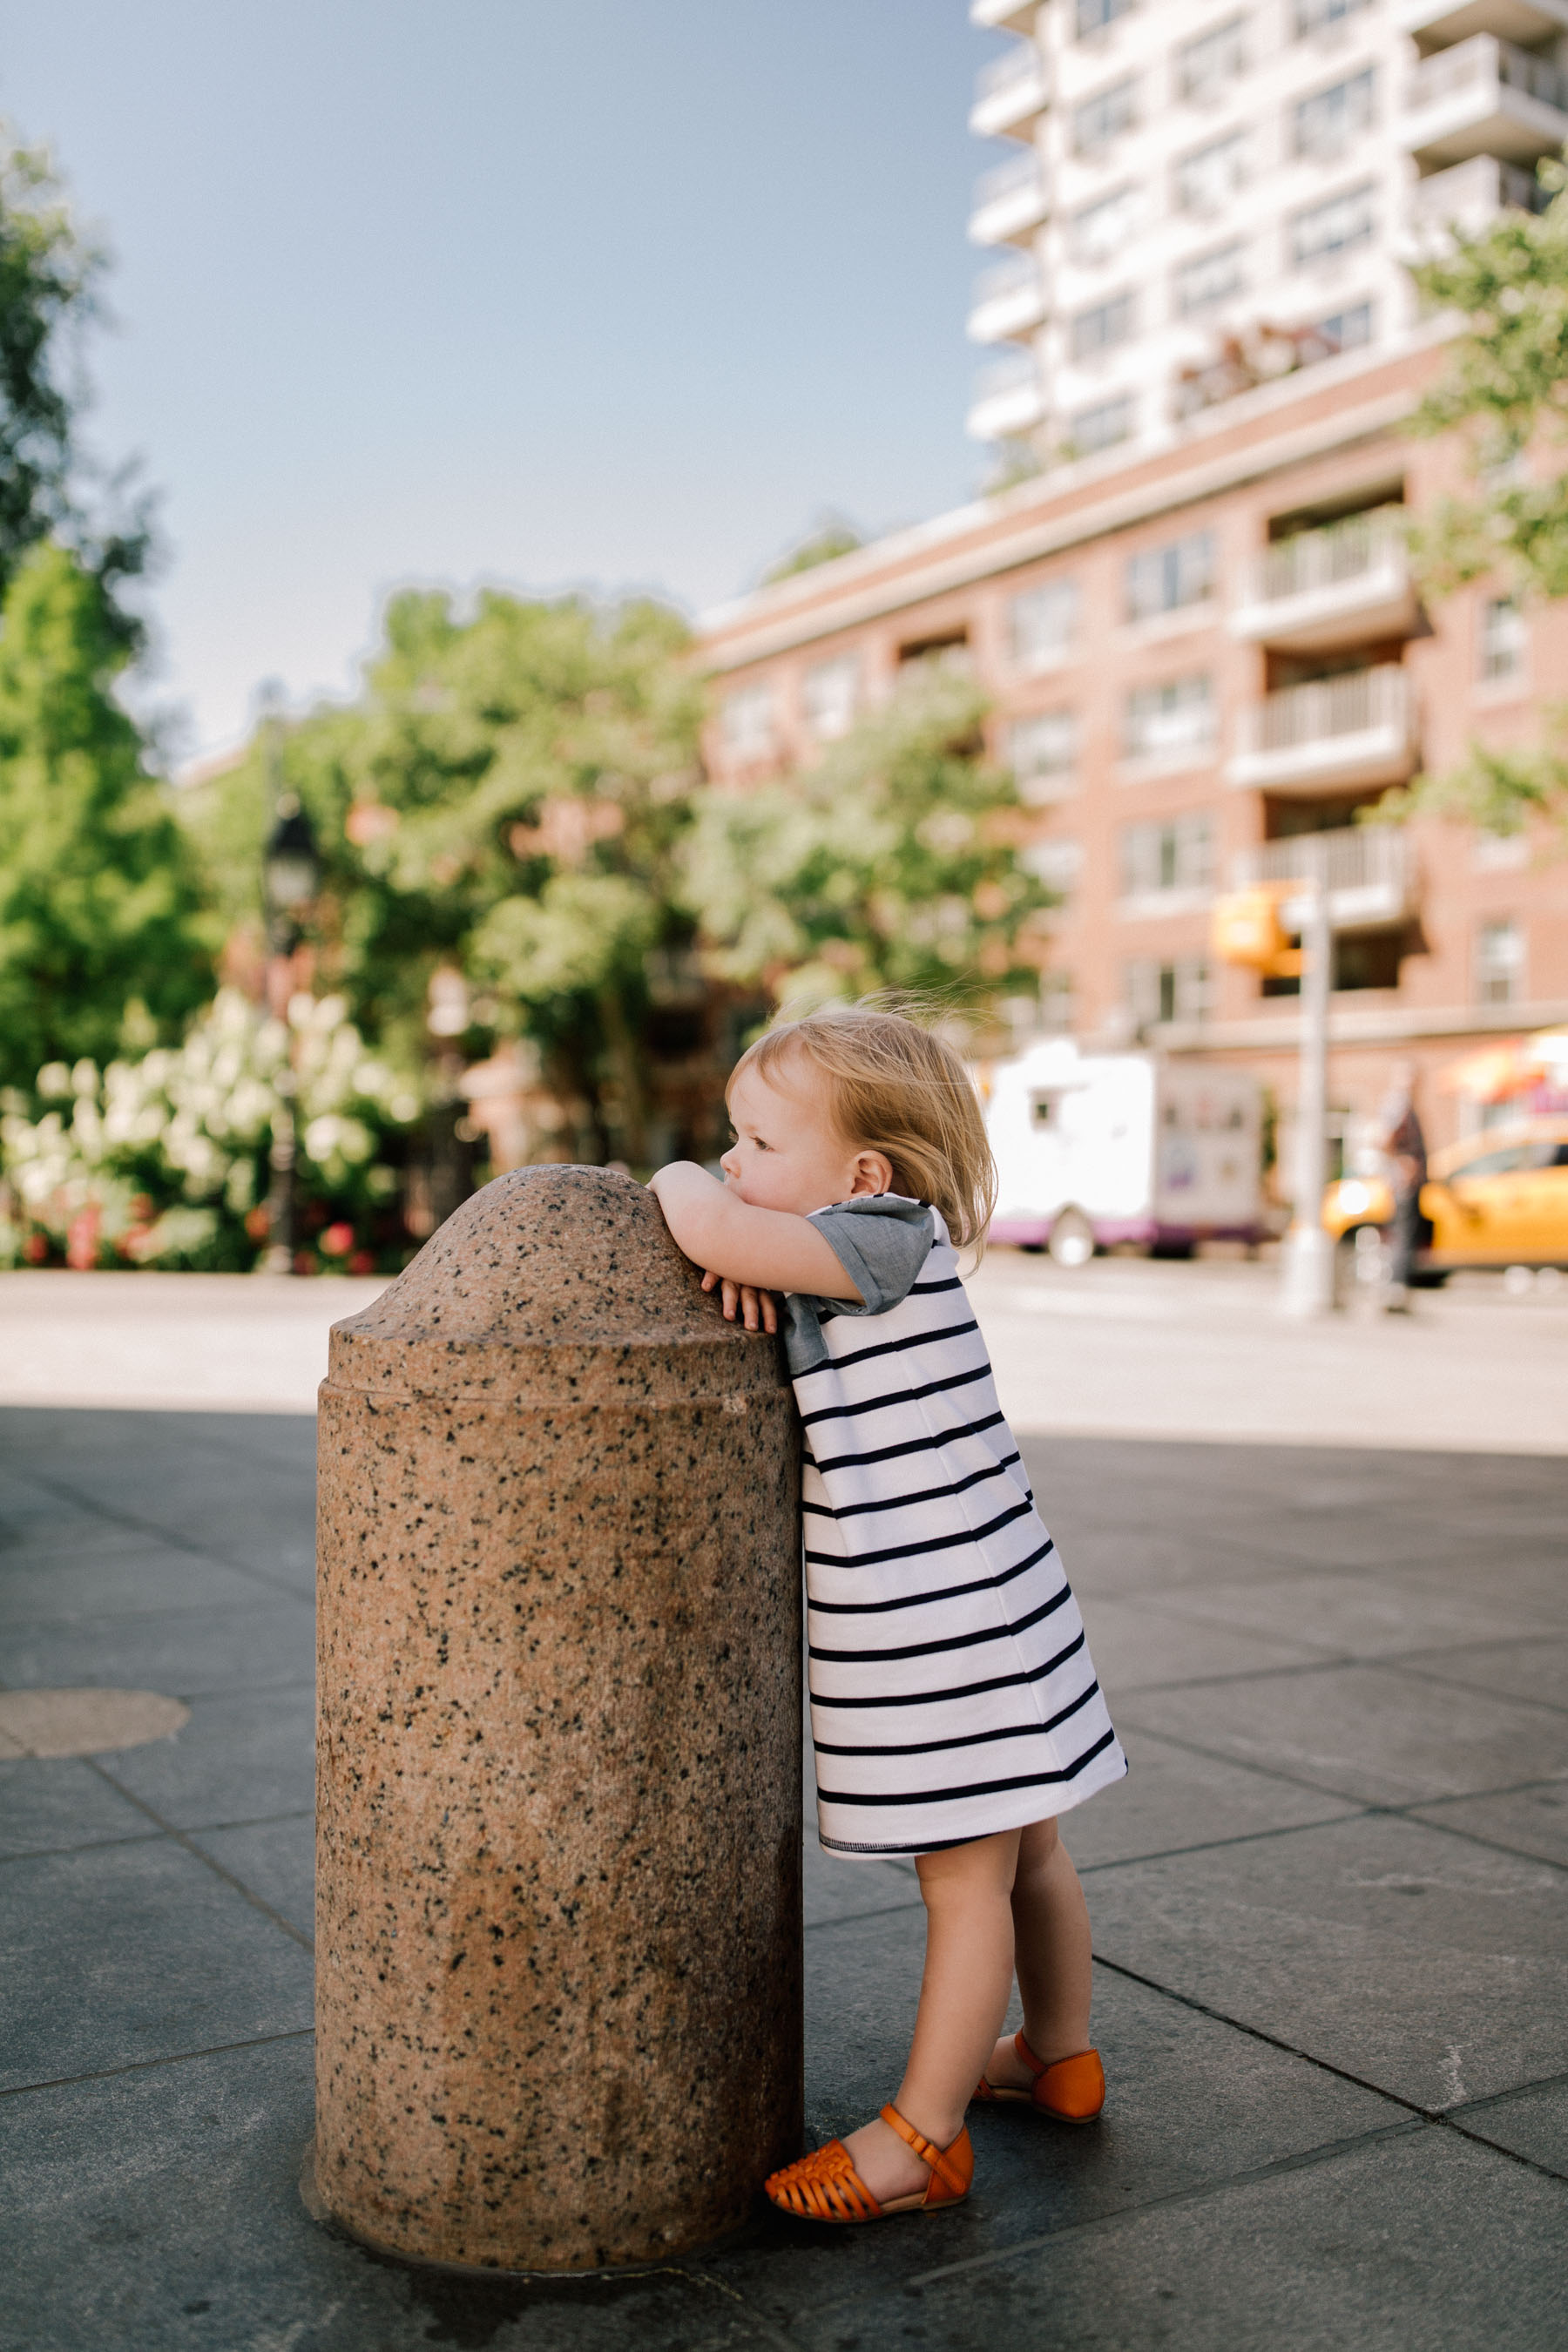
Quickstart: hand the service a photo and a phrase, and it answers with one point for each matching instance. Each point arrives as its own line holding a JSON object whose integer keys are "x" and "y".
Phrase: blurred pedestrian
{"x": 1404, "y": 1146}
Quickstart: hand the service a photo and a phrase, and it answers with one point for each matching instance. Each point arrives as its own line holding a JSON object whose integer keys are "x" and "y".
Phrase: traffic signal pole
{"x": 1308, "y": 1255}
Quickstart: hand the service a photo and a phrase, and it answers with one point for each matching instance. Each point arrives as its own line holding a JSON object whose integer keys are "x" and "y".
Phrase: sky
{"x": 605, "y": 294}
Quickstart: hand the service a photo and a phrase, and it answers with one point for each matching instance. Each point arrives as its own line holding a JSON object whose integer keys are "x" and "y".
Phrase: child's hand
{"x": 758, "y": 1309}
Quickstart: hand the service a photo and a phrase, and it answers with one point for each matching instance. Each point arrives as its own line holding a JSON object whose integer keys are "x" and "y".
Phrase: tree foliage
{"x": 890, "y": 865}
{"x": 1505, "y": 393}
{"x": 98, "y": 901}
{"x": 834, "y": 536}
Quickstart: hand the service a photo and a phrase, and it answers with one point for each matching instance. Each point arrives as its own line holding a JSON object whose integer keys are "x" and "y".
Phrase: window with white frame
{"x": 831, "y": 696}
{"x": 1336, "y": 225}
{"x": 1342, "y": 330}
{"x": 1499, "y": 962}
{"x": 1164, "y": 579}
{"x": 1210, "y": 178}
{"x": 1103, "y": 425}
{"x": 1105, "y": 116}
{"x": 1103, "y": 327}
{"x": 1172, "y": 854}
{"x": 1056, "y": 864}
{"x": 1098, "y": 232}
{"x": 1317, "y": 16}
{"x": 1325, "y": 124}
{"x": 1205, "y": 67}
{"x": 746, "y": 721}
{"x": 1042, "y": 751}
{"x": 1176, "y": 991}
{"x": 1504, "y": 638}
{"x": 1093, "y": 15}
{"x": 1209, "y": 279}
{"x": 1042, "y": 624}
{"x": 1169, "y": 720}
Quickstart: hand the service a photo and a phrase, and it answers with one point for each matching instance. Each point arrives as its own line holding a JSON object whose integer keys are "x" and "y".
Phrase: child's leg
{"x": 1052, "y": 1956}
{"x": 968, "y": 1978}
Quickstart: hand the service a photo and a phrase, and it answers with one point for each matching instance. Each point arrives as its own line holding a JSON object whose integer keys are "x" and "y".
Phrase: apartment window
{"x": 746, "y": 721}
{"x": 831, "y": 695}
{"x": 1105, "y": 116}
{"x": 1158, "y": 992}
{"x": 1207, "y": 180}
{"x": 1316, "y": 16}
{"x": 1210, "y": 279}
{"x": 1204, "y": 67}
{"x": 1335, "y": 226}
{"x": 1499, "y": 962}
{"x": 1342, "y": 330}
{"x": 1176, "y": 854}
{"x": 1041, "y": 625}
{"x": 1164, "y": 579}
{"x": 1504, "y": 637}
{"x": 1042, "y": 751}
{"x": 1103, "y": 425}
{"x": 1101, "y": 230}
{"x": 1094, "y": 15}
{"x": 1056, "y": 864}
{"x": 1101, "y": 327}
{"x": 1325, "y": 124}
{"x": 1166, "y": 720}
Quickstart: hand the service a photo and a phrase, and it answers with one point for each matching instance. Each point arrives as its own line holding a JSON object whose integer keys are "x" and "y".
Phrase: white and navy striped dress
{"x": 953, "y": 1694}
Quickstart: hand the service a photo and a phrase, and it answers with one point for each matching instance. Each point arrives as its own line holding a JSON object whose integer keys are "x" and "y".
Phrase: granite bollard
{"x": 558, "y": 1986}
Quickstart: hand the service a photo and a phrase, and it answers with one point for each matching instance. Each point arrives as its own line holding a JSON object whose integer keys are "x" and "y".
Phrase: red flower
{"x": 337, "y": 1241}
{"x": 36, "y": 1249}
{"x": 362, "y": 1262}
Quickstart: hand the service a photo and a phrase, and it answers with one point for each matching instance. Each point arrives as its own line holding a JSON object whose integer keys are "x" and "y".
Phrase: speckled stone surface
{"x": 558, "y": 1756}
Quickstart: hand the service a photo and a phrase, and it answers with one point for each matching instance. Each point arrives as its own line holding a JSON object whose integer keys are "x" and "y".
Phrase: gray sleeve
{"x": 882, "y": 1243}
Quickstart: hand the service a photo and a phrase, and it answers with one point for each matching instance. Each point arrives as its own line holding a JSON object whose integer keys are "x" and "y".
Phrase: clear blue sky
{"x": 608, "y": 293}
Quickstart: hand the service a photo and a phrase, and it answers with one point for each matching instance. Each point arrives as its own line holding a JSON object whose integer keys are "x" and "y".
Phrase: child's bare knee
{"x": 1037, "y": 1848}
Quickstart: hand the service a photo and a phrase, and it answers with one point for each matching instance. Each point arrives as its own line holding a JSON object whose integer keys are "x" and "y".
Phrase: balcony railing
{"x": 1010, "y": 70}
{"x": 1315, "y": 560}
{"x": 1331, "y": 733}
{"x": 1352, "y": 704}
{"x": 1439, "y": 21}
{"x": 1367, "y": 870}
{"x": 1009, "y": 179}
{"x": 1345, "y": 585}
{"x": 1468, "y": 196}
{"x": 1485, "y": 60}
{"x": 1010, "y": 202}
{"x": 1018, "y": 274}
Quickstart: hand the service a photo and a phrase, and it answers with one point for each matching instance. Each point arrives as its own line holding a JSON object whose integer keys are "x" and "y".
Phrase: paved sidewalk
{"x": 1328, "y": 1903}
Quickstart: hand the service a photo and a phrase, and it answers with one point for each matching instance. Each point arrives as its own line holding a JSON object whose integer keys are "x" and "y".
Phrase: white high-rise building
{"x": 1206, "y": 193}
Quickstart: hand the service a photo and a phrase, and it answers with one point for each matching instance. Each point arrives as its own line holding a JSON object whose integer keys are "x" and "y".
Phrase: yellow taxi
{"x": 1498, "y": 1198}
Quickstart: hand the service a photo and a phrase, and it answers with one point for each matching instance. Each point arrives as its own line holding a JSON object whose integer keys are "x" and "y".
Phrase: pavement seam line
{"x": 1441, "y": 2116}
{"x": 306, "y": 1943}
{"x": 146, "y": 2065}
{"x": 148, "y": 1837}
{"x": 767, "y": 2328}
{"x": 165, "y": 1536}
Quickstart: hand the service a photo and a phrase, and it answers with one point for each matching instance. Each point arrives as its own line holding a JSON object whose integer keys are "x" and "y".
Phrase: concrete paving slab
{"x": 1532, "y": 2124}
{"x": 835, "y": 1889}
{"x": 1172, "y": 1799}
{"x": 1138, "y": 1646}
{"x": 1353, "y": 1615}
{"x": 1527, "y": 1821}
{"x": 1422, "y": 2243}
{"x": 57, "y": 1804}
{"x": 1536, "y": 1670}
{"x": 1366, "y": 1732}
{"x": 1432, "y": 1966}
{"x": 127, "y": 1953}
{"x": 275, "y": 1860}
{"x": 120, "y": 1583}
{"x": 1535, "y": 1579}
{"x": 191, "y": 1653}
{"x": 246, "y": 1756}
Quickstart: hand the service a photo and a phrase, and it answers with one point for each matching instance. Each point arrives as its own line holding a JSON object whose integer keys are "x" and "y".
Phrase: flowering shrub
{"x": 167, "y": 1161}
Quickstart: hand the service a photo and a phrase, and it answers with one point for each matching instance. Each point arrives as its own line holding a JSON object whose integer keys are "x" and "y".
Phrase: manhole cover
{"x": 85, "y": 1722}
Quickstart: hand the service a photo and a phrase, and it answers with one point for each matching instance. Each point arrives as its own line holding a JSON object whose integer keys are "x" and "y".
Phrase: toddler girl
{"x": 954, "y": 1709}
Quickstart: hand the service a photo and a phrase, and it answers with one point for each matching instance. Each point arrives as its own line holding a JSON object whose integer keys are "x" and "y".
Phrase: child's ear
{"x": 873, "y": 1174}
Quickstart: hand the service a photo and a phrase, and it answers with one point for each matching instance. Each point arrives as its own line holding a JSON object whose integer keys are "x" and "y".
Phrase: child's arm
{"x": 746, "y": 1249}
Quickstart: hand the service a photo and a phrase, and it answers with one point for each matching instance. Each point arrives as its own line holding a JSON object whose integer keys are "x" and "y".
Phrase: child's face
{"x": 786, "y": 1155}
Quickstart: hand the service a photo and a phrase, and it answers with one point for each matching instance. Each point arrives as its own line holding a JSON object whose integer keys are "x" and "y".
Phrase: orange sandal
{"x": 826, "y": 2187}
{"x": 1072, "y": 2090}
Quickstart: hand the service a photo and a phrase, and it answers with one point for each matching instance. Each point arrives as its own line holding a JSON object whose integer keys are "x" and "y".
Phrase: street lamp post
{"x": 1309, "y": 1251}
{"x": 290, "y": 876}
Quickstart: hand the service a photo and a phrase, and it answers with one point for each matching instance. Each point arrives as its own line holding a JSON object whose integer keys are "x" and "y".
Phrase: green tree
{"x": 891, "y": 864}
{"x": 98, "y": 895}
{"x": 1505, "y": 393}
{"x": 49, "y": 280}
{"x": 834, "y": 536}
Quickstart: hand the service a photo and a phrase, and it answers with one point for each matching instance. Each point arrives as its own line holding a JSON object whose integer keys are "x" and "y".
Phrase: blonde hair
{"x": 895, "y": 1086}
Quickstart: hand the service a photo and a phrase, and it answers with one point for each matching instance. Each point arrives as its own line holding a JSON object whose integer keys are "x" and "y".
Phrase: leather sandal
{"x": 1072, "y": 2090}
{"x": 826, "y": 2187}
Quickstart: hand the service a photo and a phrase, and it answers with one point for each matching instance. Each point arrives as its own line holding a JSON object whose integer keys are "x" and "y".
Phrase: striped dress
{"x": 953, "y": 1694}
